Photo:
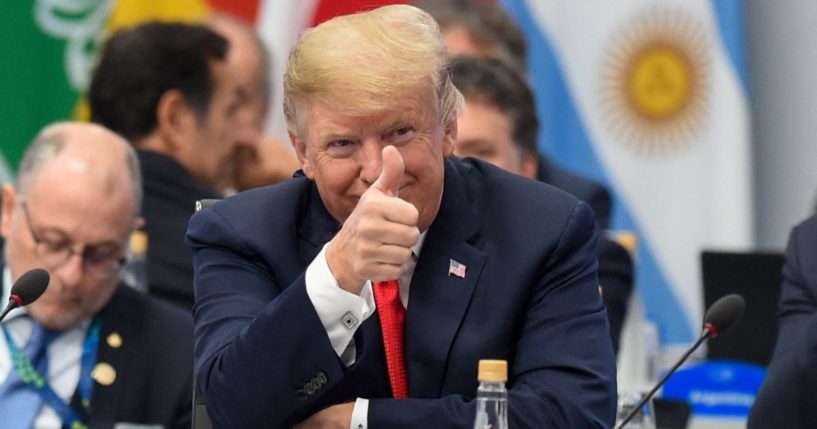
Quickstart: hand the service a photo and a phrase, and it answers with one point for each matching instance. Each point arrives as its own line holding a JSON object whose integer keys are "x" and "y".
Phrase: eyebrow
{"x": 474, "y": 143}
{"x": 335, "y": 136}
{"x": 41, "y": 231}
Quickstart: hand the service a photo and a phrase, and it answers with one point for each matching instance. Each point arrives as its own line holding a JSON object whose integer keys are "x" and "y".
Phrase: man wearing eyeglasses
{"x": 91, "y": 352}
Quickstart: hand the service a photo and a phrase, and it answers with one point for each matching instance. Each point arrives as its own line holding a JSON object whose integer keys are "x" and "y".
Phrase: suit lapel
{"x": 317, "y": 228}
{"x": 438, "y": 301}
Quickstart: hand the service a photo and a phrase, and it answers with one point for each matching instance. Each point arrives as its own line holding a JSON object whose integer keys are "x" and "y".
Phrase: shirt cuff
{"x": 340, "y": 312}
{"x": 360, "y": 414}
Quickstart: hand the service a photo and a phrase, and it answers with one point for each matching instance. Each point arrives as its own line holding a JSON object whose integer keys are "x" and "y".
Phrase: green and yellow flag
{"x": 48, "y": 53}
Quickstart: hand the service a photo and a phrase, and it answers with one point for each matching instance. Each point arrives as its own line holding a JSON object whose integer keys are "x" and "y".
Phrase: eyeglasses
{"x": 53, "y": 255}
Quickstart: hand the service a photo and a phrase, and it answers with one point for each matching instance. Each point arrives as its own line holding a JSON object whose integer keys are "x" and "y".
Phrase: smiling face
{"x": 342, "y": 153}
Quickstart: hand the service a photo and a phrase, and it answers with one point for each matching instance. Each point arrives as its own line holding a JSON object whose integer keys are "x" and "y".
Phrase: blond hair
{"x": 360, "y": 63}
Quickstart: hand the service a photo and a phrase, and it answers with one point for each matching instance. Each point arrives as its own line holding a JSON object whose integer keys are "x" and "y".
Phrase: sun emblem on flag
{"x": 655, "y": 80}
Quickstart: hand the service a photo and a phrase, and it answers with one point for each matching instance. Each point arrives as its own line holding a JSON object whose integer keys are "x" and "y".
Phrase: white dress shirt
{"x": 64, "y": 355}
{"x": 342, "y": 312}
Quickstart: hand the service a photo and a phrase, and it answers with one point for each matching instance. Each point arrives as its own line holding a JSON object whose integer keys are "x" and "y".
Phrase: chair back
{"x": 201, "y": 420}
{"x": 758, "y": 277}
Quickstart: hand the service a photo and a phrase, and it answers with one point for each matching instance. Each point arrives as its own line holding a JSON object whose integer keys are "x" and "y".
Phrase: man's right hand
{"x": 376, "y": 239}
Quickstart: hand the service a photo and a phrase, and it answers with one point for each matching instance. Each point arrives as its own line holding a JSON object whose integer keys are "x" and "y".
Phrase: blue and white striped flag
{"x": 649, "y": 97}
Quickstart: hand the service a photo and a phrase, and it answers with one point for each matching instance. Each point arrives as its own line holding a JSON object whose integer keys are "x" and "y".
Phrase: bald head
{"x": 85, "y": 157}
{"x": 73, "y": 214}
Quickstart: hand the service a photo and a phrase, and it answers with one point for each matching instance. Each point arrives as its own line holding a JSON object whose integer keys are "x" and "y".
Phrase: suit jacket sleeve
{"x": 563, "y": 371}
{"x": 792, "y": 372}
{"x": 262, "y": 355}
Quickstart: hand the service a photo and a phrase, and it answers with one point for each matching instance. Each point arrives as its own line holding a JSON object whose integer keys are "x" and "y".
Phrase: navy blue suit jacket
{"x": 786, "y": 399}
{"x": 169, "y": 200}
{"x": 530, "y": 295}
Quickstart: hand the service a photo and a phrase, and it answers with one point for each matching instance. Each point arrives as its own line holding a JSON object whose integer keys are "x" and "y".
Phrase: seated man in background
{"x": 786, "y": 399}
{"x": 485, "y": 30}
{"x": 106, "y": 353}
{"x": 192, "y": 105}
{"x": 499, "y": 125}
{"x": 364, "y": 292}
{"x": 269, "y": 160}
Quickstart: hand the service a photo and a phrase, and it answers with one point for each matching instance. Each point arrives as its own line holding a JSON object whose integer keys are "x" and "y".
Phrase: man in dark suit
{"x": 192, "y": 102}
{"x": 499, "y": 125}
{"x": 77, "y": 203}
{"x": 786, "y": 399}
{"x": 364, "y": 293}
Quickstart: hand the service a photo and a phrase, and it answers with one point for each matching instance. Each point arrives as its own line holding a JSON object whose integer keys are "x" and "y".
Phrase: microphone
{"x": 722, "y": 315}
{"x": 27, "y": 289}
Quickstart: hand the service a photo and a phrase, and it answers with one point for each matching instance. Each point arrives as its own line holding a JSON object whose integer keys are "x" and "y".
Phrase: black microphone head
{"x": 30, "y": 285}
{"x": 724, "y": 313}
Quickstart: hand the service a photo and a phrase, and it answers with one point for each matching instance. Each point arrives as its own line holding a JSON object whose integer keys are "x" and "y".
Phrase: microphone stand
{"x": 14, "y": 302}
{"x": 707, "y": 332}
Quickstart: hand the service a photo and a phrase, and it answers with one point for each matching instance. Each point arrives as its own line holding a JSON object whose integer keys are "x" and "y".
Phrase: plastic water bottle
{"x": 492, "y": 395}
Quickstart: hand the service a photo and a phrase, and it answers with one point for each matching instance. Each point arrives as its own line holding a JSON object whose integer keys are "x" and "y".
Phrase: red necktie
{"x": 392, "y": 317}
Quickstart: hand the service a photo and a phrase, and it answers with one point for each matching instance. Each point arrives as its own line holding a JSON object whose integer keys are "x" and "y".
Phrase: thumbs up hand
{"x": 391, "y": 173}
{"x": 376, "y": 239}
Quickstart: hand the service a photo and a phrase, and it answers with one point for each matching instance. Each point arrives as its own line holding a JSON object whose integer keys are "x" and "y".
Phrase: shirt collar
{"x": 6, "y": 292}
{"x": 419, "y": 244}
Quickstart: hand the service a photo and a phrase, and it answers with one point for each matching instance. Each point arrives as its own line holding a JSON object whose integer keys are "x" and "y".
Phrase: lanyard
{"x": 71, "y": 419}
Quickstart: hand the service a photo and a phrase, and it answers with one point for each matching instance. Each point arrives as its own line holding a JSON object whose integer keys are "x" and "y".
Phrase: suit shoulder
{"x": 501, "y": 188}
{"x": 803, "y": 239}
{"x": 278, "y": 197}
{"x": 277, "y": 205}
{"x": 502, "y": 198}
{"x": 807, "y": 229}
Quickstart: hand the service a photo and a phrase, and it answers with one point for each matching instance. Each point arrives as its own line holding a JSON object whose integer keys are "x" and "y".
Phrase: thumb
{"x": 391, "y": 172}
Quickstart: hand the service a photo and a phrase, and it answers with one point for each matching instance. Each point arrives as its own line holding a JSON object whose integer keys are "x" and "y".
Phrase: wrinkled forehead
{"x": 408, "y": 104}
{"x": 69, "y": 181}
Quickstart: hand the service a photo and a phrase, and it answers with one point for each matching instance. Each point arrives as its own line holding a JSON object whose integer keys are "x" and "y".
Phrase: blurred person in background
{"x": 499, "y": 125}
{"x": 191, "y": 102}
{"x": 90, "y": 352}
{"x": 786, "y": 399}
{"x": 270, "y": 160}
{"x": 484, "y": 29}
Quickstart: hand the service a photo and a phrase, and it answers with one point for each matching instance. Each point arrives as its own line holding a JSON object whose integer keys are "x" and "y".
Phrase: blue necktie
{"x": 19, "y": 402}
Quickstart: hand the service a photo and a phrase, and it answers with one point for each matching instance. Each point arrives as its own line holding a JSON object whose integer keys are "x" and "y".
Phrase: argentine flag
{"x": 649, "y": 97}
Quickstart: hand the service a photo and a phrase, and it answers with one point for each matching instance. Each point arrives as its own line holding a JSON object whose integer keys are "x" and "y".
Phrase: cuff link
{"x": 349, "y": 320}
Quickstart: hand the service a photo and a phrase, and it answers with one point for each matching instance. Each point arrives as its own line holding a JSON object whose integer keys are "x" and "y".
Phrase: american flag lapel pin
{"x": 456, "y": 269}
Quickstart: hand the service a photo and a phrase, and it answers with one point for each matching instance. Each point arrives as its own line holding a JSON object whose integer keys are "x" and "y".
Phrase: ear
{"x": 300, "y": 150}
{"x": 530, "y": 165}
{"x": 176, "y": 122}
{"x": 450, "y": 138}
{"x": 8, "y": 204}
